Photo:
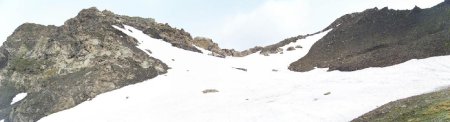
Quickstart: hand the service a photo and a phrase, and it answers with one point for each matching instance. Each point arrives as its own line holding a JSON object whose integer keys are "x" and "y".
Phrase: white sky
{"x": 231, "y": 23}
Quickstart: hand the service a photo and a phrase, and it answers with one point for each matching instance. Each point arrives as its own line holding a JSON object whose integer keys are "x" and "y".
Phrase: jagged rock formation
{"x": 60, "y": 67}
{"x": 208, "y": 44}
{"x": 178, "y": 38}
{"x": 379, "y": 38}
{"x": 430, "y": 107}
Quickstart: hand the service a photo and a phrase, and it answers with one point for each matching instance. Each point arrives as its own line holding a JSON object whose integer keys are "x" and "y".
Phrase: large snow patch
{"x": 18, "y": 97}
{"x": 267, "y": 91}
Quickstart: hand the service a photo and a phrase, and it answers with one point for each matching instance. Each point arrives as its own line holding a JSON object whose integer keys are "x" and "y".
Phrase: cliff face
{"x": 60, "y": 67}
{"x": 379, "y": 38}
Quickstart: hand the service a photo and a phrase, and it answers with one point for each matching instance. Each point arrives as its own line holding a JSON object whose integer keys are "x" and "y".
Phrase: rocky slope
{"x": 60, "y": 67}
{"x": 431, "y": 107}
{"x": 379, "y": 38}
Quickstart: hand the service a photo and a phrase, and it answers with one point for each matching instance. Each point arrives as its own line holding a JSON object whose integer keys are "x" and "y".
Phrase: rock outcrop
{"x": 276, "y": 48}
{"x": 178, "y": 38}
{"x": 379, "y": 38}
{"x": 60, "y": 67}
{"x": 430, "y": 107}
{"x": 209, "y": 45}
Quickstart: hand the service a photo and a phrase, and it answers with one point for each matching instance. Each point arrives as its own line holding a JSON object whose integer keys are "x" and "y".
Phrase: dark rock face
{"x": 60, "y": 67}
{"x": 431, "y": 107}
{"x": 290, "y": 49}
{"x": 379, "y": 38}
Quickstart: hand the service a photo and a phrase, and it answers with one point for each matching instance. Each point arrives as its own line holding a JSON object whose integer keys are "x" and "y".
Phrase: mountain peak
{"x": 89, "y": 13}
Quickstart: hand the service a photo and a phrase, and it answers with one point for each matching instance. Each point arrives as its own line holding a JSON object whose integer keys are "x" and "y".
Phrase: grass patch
{"x": 439, "y": 111}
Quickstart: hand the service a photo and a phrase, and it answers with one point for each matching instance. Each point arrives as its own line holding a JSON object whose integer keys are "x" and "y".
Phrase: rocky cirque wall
{"x": 60, "y": 67}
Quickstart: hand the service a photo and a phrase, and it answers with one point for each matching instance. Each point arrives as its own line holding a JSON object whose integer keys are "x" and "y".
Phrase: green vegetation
{"x": 23, "y": 65}
{"x": 438, "y": 111}
{"x": 447, "y": 44}
{"x": 431, "y": 107}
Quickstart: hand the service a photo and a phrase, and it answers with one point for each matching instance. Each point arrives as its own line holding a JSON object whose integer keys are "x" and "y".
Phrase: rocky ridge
{"x": 379, "y": 38}
{"x": 210, "y": 45}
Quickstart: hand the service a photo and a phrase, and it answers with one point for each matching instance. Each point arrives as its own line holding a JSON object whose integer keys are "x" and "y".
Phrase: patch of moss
{"x": 430, "y": 107}
{"x": 50, "y": 72}
{"x": 24, "y": 65}
{"x": 29, "y": 44}
{"x": 447, "y": 44}
{"x": 441, "y": 110}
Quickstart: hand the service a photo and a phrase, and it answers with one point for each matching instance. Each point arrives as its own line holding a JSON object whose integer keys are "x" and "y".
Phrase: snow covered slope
{"x": 18, "y": 97}
{"x": 267, "y": 91}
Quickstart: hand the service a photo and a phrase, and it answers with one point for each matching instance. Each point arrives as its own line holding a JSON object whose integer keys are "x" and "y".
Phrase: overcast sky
{"x": 238, "y": 24}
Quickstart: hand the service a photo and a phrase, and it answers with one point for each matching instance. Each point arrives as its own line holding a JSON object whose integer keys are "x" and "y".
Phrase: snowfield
{"x": 18, "y": 97}
{"x": 258, "y": 94}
